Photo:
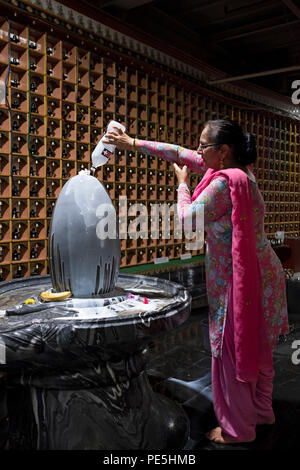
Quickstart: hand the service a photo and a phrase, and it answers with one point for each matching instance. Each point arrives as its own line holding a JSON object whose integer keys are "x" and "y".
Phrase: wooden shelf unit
{"x": 61, "y": 99}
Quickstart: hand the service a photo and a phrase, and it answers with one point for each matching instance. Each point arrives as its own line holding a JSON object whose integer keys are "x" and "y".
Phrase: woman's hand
{"x": 119, "y": 138}
{"x": 181, "y": 173}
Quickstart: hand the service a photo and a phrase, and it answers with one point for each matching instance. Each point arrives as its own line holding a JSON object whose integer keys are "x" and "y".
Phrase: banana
{"x": 54, "y": 296}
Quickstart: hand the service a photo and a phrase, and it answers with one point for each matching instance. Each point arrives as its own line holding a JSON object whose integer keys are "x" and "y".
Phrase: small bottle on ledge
{"x": 18, "y": 273}
{"x": 35, "y": 270}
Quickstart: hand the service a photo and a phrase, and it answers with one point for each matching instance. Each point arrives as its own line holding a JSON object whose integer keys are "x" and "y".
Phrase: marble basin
{"x": 74, "y": 378}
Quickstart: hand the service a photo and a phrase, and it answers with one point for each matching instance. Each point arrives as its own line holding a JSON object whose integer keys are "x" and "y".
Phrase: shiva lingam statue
{"x": 73, "y": 375}
{"x": 81, "y": 260}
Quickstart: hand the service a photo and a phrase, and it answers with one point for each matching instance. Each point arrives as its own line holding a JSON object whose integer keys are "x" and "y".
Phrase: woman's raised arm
{"x": 171, "y": 153}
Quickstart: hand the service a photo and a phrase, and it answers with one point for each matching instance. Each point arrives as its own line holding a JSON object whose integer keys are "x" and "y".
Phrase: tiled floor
{"x": 179, "y": 367}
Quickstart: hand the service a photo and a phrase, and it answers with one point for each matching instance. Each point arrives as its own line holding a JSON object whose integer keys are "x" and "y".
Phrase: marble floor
{"x": 179, "y": 367}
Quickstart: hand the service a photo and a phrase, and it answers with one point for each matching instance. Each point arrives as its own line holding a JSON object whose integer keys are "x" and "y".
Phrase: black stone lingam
{"x": 72, "y": 373}
{"x": 81, "y": 259}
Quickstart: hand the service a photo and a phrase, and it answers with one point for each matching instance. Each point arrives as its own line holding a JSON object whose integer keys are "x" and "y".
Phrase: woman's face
{"x": 211, "y": 155}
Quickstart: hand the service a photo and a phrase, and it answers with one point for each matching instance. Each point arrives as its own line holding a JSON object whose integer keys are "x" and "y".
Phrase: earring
{"x": 221, "y": 164}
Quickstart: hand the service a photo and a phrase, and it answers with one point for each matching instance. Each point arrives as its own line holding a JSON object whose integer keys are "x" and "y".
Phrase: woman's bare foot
{"x": 217, "y": 436}
{"x": 214, "y": 433}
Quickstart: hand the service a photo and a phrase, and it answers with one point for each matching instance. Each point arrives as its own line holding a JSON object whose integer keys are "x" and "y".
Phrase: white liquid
{"x": 102, "y": 152}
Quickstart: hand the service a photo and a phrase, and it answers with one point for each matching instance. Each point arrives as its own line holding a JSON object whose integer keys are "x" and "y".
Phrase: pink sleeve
{"x": 215, "y": 201}
{"x": 175, "y": 154}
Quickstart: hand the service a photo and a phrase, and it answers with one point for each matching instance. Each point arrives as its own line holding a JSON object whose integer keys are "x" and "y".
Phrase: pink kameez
{"x": 217, "y": 204}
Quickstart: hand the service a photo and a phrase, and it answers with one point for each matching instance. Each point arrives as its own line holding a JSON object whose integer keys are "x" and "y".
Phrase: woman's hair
{"x": 223, "y": 131}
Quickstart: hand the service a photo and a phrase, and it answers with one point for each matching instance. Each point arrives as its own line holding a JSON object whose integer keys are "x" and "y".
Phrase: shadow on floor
{"x": 179, "y": 367}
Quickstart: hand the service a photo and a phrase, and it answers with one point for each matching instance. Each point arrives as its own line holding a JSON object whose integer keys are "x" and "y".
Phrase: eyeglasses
{"x": 203, "y": 146}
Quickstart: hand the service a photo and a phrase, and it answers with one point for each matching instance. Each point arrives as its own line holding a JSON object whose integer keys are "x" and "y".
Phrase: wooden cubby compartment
{"x": 53, "y": 147}
{"x": 131, "y": 191}
{"x": 142, "y": 191}
{"x": 37, "y": 167}
{"x": 19, "y": 187}
{"x": 83, "y": 115}
{"x": 68, "y": 150}
{"x": 19, "y": 209}
{"x": 18, "y": 79}
{"x": 95, "y": 117}
{"x": 83, "y": 153}
{"x": 4, "y": 120}
{"x": 142, "y": 175}
{"x": 96, "y": 65}
{"x": 53, "y": 188}
{"x": 141, "y": 160}
{"x": 83, "y": 96}
{"x": 37, "y": 105}
{"x": 37, "y": 63}
{"x": 4, "y": 186}
{"x": 64, "y": 96}
{"x": 4, "y": 231}
{"x": 4, "y": 253}
{"x": 18, "y": 56}
{"x": 85, "y": 166}
{"x": 19, "y": 122}
{"x": 19, "y": 270}
{"x": 4, "y": 142}
{"x": 120, "y": 173}
{"x": 68, "y": 170}
{"x": 53, "y": 48}
{"x": 54, "y": 88}
{"x": 37, "y": 250}
{"x": 53, "y": 108}
{"x": 19, "y": 143}
{"x": 36, "y": 146}
{"x": 107, "y": 117}
{"x": 68, "y": 131}
{"x": 37, "y": 208}
{"x": 68, "y": 92}
{"x": 95, "y": 135}
{"x": 120, "y": 190}
{"x": 36, "y": 188}
{"x": 50, "y": 207}
{"x": 95, "y": 98}
{"x": 69, "y": 53}
{"x": 19, "y": 251}
{"x": 53, "y": 128}
{"x": 4, "y": 208}
{"x": 37, "y": 229}
{"x": 37, "y": 268}
{"x": 19, "y": 230}
{"x": 68, "y": 111}
{"x": 109, "y": 187}
{"x": 109, "y": 173}
{"x": 4, "y": 165}
{"x": 83, "y": 133}
{"x": 120, "y": 157}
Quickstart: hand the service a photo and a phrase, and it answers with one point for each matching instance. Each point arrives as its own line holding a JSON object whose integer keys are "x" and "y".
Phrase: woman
{"x": 244, "y": 277}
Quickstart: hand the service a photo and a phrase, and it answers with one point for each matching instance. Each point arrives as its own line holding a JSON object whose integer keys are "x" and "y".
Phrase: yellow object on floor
{"x": 55, "y": 296}
{"x": 29, "y": 301}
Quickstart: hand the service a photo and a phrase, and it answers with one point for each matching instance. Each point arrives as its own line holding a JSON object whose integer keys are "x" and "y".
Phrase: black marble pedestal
{"x": 73, "y": 381}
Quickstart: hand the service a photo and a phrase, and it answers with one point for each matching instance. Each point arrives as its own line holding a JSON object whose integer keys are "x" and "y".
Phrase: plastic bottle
{"x": 102, "y": 152}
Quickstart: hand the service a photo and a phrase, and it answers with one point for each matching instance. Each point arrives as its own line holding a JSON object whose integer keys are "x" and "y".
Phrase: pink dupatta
{"x": 247, "y": 295}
